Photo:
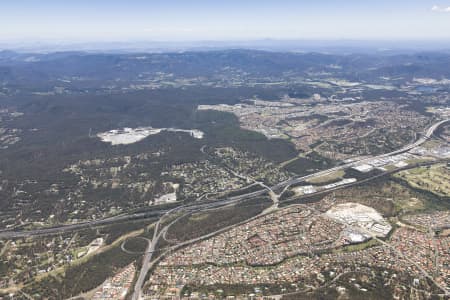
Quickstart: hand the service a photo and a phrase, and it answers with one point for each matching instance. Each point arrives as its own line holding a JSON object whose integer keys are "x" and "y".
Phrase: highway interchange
{"x": 207, "y": 204}
{"x": 203, "y": 205}
{"x": 147, "y": 260}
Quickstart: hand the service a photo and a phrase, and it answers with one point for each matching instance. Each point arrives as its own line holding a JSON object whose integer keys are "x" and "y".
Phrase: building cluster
{"x": 310, "y": 189}
{"x": 302, "y": 245}
{"x": 339, "y": 183}
{"x": 305, "y": 189}
{"x": 362, "y": 219}
{"x": 251, "y": 165}
{"x": 112, "y": 175}
{"x": 431, "y": 252}
{"x": 307, "y": 124}
{"x": 399, "y": 161}
{"x": 223, "y": 78}
{"x": 116, "y": 287}
{"x": 267, "y": 240}
{"x": 310, "y": 270}
{"x": 204, "y": 177}
{"x": 435, "y": 220}
{"x": 28, "y": 258}
{"x": 8, "y": 136}
{"x": 441, "y": 151}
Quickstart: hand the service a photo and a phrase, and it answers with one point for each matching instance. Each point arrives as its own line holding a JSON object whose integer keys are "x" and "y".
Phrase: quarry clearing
{"x": 132, "y": 135}
{"x": 358, "y": 215}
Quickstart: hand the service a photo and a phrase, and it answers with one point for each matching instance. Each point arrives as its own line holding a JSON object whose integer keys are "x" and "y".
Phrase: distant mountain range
{"x": 103, "y": 66}
{"x": 323, "y": 46}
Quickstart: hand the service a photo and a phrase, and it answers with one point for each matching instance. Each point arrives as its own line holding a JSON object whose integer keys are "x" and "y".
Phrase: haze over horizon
{"x": 197, "y": 20}
{"x": 224, "y": 149}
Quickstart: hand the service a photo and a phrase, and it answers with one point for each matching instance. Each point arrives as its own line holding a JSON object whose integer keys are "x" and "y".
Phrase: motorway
{"x": 406, "y": 148}
{"x": 200, "y": 206}
{"x": 148, "y": 256}
{"x": 197, "y": 206}
{"x": 148, "y": 264}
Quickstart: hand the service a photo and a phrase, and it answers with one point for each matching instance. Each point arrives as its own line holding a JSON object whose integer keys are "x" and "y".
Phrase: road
{"x": 265, "y": 212}
{"x": 406, "y": 148}
{"x": 146, "y": 261}
{"x": 200, "y": 206}
{"x": 82, "y": 225}
{"x": 384, "y": 243}
{"x": 146, "y": 264}
{"x": 124, "y": 249}
{"x": 8, "y": 234}
{"x": 274, "y": 197}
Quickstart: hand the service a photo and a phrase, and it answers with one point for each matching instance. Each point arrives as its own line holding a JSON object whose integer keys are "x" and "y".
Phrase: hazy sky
{"x": 168, "y": 20}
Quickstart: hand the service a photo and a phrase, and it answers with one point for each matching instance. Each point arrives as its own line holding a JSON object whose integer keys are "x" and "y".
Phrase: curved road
{"x": 199, "y": 206}
{"x": 147, "y": 258}
{"x": 8, "y": 234}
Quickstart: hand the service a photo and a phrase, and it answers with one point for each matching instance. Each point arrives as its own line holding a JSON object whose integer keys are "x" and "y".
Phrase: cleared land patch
{"x": 361, "y": 216}
{"x": 132, "y": 135}
{"x": 435, "y": 178}
{"x": 327, "y": 178}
